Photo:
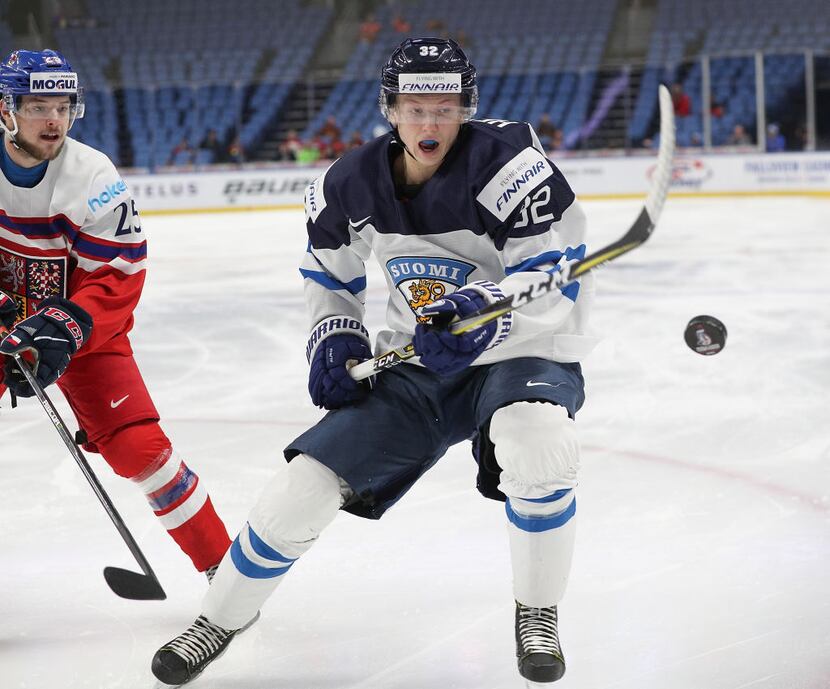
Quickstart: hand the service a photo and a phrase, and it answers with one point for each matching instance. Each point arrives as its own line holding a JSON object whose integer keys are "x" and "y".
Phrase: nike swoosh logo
{"x": 359, "y": 224}
{"x": 115, "y": 404}
{"x": 532, "y": 383}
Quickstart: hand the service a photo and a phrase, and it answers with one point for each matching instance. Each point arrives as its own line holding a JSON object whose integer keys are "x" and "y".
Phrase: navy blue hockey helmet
{"x": 40, "y": 73}
{"x": 429, "y": 66}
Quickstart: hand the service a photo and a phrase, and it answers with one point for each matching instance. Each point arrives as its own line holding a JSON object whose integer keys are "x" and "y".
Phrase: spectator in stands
{"x": 799, "y": 140}
{"x": 546, "y": 130}
{"x": 355, "y": 140}
{"x": 369, "y": 29}
{"x": 717, "y": 109}
{"x": 776, "y": 143}
{"x": 308, "y": 153}
{"x": 59, "y": 19}
{"x": 400, "y": 25}
{"x": 182, "y": 153}
{"x": 236, "y": 152}
{"x": 681, "y": 101}
{"x": 336, "y": 148}
{"x": 284, "y": 153}
{"x": 292, "y": 143}
{"x": 436, "y": 27}
{"x": 211, "y": 143}
{"x": 330, "y": 130}
{"x": 739, "y": 137}
{"x": 462, "y": 38}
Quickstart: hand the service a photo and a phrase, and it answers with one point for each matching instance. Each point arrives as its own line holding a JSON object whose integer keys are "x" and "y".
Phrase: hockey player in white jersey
{"x": 72, "y": 267}
{"x": 459, "y": 213}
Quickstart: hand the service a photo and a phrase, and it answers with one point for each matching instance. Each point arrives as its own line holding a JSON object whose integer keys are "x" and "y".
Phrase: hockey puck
{"x": 705, "y": 335}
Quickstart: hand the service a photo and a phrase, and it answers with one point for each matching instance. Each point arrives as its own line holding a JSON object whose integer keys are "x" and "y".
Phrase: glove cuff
{"x": 70, "y": 317}
{"x": 335, "y": 325}
{"x": 492, "y": 293}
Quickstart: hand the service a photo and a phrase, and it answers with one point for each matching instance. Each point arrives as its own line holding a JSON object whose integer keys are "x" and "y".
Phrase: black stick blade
{"x": 133, "y": 585}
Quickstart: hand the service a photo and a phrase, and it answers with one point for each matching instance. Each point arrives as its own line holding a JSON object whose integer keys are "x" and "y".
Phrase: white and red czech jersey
{"x": 76, "y": 234}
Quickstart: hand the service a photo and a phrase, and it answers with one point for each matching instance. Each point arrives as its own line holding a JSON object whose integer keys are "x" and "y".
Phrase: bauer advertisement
{"x": 283, "y": 187}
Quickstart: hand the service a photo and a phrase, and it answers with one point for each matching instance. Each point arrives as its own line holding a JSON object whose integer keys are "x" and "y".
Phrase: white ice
{"x": 703, "y": 550}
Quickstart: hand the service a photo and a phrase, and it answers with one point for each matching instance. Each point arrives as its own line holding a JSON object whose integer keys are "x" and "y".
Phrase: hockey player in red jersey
{"x": 72, "y": 268}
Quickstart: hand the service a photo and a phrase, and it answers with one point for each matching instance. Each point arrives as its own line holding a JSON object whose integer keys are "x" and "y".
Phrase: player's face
{"x": 43, "y": 122}
{"x": 428, "y": 126}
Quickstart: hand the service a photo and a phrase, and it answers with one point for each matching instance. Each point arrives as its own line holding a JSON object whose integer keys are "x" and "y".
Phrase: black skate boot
{"x": 184, "y": 658}
{"x": 537, "y": 644}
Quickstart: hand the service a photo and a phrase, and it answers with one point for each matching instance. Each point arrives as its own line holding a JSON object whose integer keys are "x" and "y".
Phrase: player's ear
{"x": 4, "y": 113}
{"x": 393, "y": 115}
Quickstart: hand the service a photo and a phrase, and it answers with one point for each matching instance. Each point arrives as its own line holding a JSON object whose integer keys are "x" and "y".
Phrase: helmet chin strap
{"x": 399, "y": 140}
{"x": 11, "y": 133}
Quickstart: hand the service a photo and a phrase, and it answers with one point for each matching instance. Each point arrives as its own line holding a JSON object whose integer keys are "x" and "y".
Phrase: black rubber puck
{"x": 705, "y": 335}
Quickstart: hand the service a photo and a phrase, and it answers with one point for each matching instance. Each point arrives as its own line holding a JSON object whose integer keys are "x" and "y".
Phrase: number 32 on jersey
{"x": 533, "y": 208}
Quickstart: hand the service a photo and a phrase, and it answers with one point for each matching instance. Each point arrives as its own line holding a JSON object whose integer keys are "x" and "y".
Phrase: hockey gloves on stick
{"x": 51, "y": 337}
{"x": 440, "y": 350}
{"x": 344, "y": 342}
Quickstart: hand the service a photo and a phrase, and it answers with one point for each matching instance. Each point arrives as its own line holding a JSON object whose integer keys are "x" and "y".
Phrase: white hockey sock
{"x": 541, "y": 533}
{"x": 249, "y": 573}
{"x": 297, "y": 504}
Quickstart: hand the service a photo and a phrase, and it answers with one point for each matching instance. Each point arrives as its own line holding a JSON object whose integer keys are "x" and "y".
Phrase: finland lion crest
{"x": 423, "y": 280}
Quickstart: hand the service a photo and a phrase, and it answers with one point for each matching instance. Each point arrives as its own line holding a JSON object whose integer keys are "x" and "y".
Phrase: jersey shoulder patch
{"x": 514, "y": 181}
{"x": 94, "y": 176}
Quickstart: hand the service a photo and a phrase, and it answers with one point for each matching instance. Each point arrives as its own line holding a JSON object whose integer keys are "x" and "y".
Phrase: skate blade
{"x": 250, "y": 624}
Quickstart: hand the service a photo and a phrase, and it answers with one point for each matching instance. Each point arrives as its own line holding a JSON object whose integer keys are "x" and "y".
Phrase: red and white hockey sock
{"x": 183, "y": 506}
{"x": 142, "y": 453}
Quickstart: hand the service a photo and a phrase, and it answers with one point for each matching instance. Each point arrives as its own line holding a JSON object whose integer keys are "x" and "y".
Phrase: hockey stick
{"x": 548, "y": 281}
{"x": 123, "y": 582}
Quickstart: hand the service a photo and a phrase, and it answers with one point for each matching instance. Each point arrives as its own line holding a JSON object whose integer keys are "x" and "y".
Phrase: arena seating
{"x": 734, "y": 29}
{"x": 551, "y": 69}
{"x": 159, "y": 72}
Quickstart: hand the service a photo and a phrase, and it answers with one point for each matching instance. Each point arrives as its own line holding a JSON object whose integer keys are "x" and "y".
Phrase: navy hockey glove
{"x": 51, "y": 336}
{"x": 344, "y": 342}
{"x": 441, "y": 351}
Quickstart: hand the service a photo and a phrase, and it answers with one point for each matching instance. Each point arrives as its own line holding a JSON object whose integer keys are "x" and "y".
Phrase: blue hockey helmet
{"x": 429, "y": 66}
{"x": 39, "y": 73}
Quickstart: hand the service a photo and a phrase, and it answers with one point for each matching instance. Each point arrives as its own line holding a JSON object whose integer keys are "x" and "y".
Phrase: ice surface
{"x": 703, "y": 550}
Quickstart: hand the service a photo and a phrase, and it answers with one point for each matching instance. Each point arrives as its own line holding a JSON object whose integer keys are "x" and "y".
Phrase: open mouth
{"x": 428, "y": 145}
{"x": 50, "y": 138}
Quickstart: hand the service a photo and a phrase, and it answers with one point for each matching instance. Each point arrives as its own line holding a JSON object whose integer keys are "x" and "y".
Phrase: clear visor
{"x": 428, "y": 113}
{"x": 54, "y": 108}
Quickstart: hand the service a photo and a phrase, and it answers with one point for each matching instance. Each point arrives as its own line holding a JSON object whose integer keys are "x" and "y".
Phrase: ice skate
{"x": 184, "y": 658}
{"x": 537, "y": 645}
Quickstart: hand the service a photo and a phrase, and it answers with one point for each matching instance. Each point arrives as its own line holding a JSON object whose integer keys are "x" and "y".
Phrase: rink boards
{"x": 273, "y": 187}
